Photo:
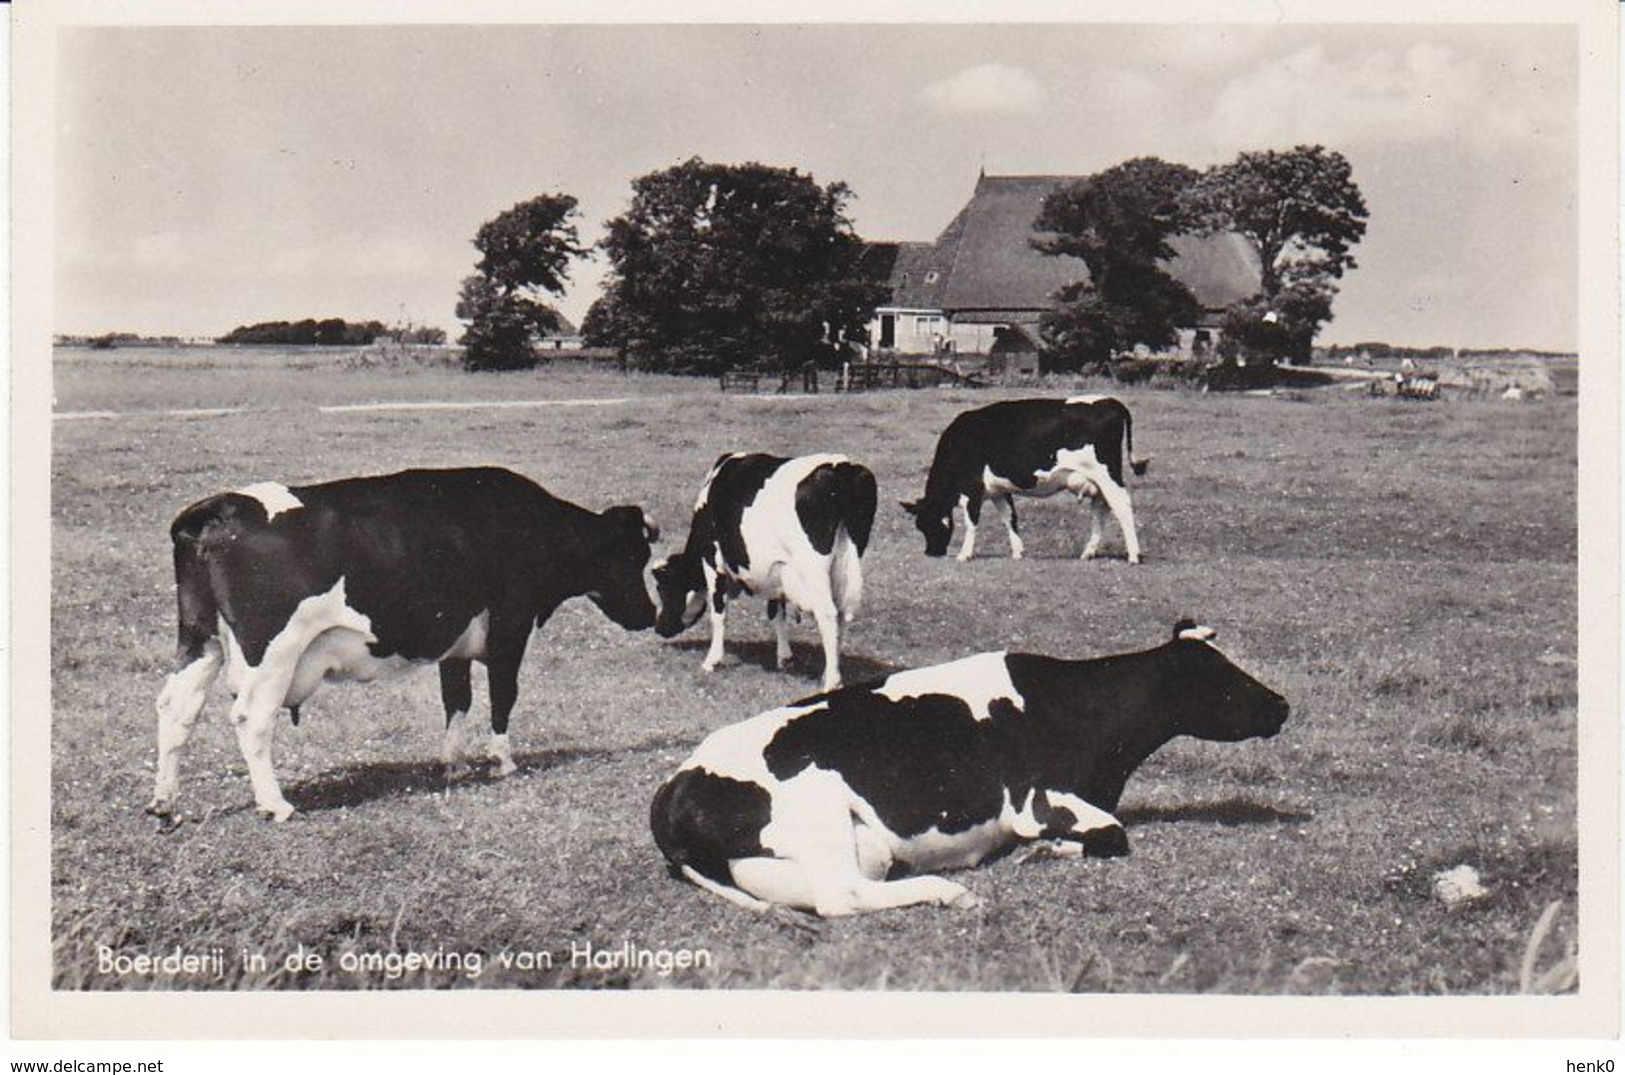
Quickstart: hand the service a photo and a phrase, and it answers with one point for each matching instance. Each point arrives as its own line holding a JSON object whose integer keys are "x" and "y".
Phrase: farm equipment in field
{"x": 1421, "y": 386}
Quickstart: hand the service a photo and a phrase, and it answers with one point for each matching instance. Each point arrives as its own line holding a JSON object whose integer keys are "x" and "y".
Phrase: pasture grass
{"x": 1405, "y": 574}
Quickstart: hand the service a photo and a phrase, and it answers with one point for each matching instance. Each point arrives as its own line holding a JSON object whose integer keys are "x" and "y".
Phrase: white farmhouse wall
{"x": 975, "y": 339}
{"x": 917, "y": 332}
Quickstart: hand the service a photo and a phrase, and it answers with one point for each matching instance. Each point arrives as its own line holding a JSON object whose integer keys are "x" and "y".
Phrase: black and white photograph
{"x": 1090, "y": 510}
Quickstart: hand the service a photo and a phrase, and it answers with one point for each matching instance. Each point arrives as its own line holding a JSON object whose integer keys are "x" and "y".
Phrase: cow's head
{"x": 680, "y": 587}
{"x": 937, "y": 526}
{"x": 618, "y": 562}
{"x": 1217, "y": 700}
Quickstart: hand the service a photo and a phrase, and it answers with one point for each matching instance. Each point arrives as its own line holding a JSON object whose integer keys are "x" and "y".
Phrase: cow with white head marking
{"x": 1036, "y": 448}
{"x": 790, "y": 530}
{"x": 284, "y": 588}
{"x": 815, "y": 805}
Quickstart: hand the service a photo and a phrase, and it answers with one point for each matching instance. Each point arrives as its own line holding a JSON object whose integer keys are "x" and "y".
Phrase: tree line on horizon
{"x": 719, "y": 266}
{"x": 330, "y": 331}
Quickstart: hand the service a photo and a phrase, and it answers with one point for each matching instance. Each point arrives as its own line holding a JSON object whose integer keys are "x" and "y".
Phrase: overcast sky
{"x": 210, "y": 177}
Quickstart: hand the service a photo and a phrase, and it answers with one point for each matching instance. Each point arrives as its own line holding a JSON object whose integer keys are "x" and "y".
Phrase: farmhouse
{"x": 981, "y": 288}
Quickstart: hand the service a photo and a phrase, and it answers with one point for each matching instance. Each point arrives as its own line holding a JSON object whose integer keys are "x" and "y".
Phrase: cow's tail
{"x": 859, "y": 499}
{"x": 1139, "y": 466}
{"x": 198, "y": 619}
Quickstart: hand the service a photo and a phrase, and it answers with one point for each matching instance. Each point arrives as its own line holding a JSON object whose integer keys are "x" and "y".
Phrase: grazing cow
{"x": 287, "y": 587}
{"x": 813, "y": 805}
{"x": 1030, "y": 447}
{"x": 790, "y": 530}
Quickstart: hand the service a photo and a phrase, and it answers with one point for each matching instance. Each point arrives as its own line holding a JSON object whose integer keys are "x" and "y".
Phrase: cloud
{"x": 161, "y": 251}
{"x": 1426, "y": 92}
{"x": 341, "y": 256}
{"x": 1198, "y": 50}
{"x": 986, "y": 88}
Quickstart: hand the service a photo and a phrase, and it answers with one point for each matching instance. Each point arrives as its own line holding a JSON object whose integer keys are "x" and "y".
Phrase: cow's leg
{"x": 910, "y": 891}
{"x": 829, "y": 633}
{"x": 1097, "y": 527}
{"x": 972, "y": 507}
{"x": 717, "y": 602}
{"x": 1016, "y": 547}
{"x": 809, "y": 587}
{"x": 780, "y": 617}
{"x": 1094, "y": 830}
{"x": 253, "y": 714}
{"x": 815, "y": 866}
{"x": 874, "y": 854}
{"x": 1117, "y": 499}
{"x": 457, "y": 695}
{"x": 774, "y": 880}
{"x": 830, "y": 862}
{"x": 179, "y": 704}
{"x": 790, "y": 883}
{"x": 502, "y": 677}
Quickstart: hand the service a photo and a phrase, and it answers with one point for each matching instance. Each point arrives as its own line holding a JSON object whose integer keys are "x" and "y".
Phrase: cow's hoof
{"x": 1108, "y": 842}
{"x": 505, "y": 767}
{"x": 830, "y": 685}
{"x": 781, "y": 663}
{"x": 709, "y": 666}
{"x": 164, "y": 814}
{"x": 1134, "y": 559}
{"x": 277, "y": 812}
{"x": 965, "y": 900}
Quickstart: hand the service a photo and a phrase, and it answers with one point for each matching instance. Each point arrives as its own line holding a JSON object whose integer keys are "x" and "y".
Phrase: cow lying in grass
{"x": 811, "y": 806}
{"x": 790, "y": 530}
{"x": 287, "y": 587}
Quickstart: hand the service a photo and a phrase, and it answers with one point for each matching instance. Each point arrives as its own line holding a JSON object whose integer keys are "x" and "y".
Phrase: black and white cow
{"x": 1030, "y": 447}
{"x": 790, "y": 530}
{"x": 812, "y": 805}
{"x": 285, "y": 587}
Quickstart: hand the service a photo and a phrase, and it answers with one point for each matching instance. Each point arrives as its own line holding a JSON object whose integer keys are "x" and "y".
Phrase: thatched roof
{"x": 984, "y": 259}
{"x": 912, "y": 271}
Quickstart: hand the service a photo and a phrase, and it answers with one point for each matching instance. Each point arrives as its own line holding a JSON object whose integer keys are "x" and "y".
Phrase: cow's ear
{"x": 633, "y": 520}
{"x": 1192, "y": 631}
{"x": 910, "y": 506}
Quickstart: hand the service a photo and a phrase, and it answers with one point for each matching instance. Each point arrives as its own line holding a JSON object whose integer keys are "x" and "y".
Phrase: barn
{"x": 981, "y": 287}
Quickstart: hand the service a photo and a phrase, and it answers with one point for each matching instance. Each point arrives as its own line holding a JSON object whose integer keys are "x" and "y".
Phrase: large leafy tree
{"x": 1118, "y": 223}
{"x": 715, "y": 266}
{"x": 1303, "y": 214}
{"x": 525, "y": 254}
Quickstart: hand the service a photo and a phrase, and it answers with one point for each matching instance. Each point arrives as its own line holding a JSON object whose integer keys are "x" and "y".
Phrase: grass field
{"x": 1404, "y": 573}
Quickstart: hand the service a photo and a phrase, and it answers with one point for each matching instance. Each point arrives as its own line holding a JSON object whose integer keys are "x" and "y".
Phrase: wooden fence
{"x": 856, "y": 377}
